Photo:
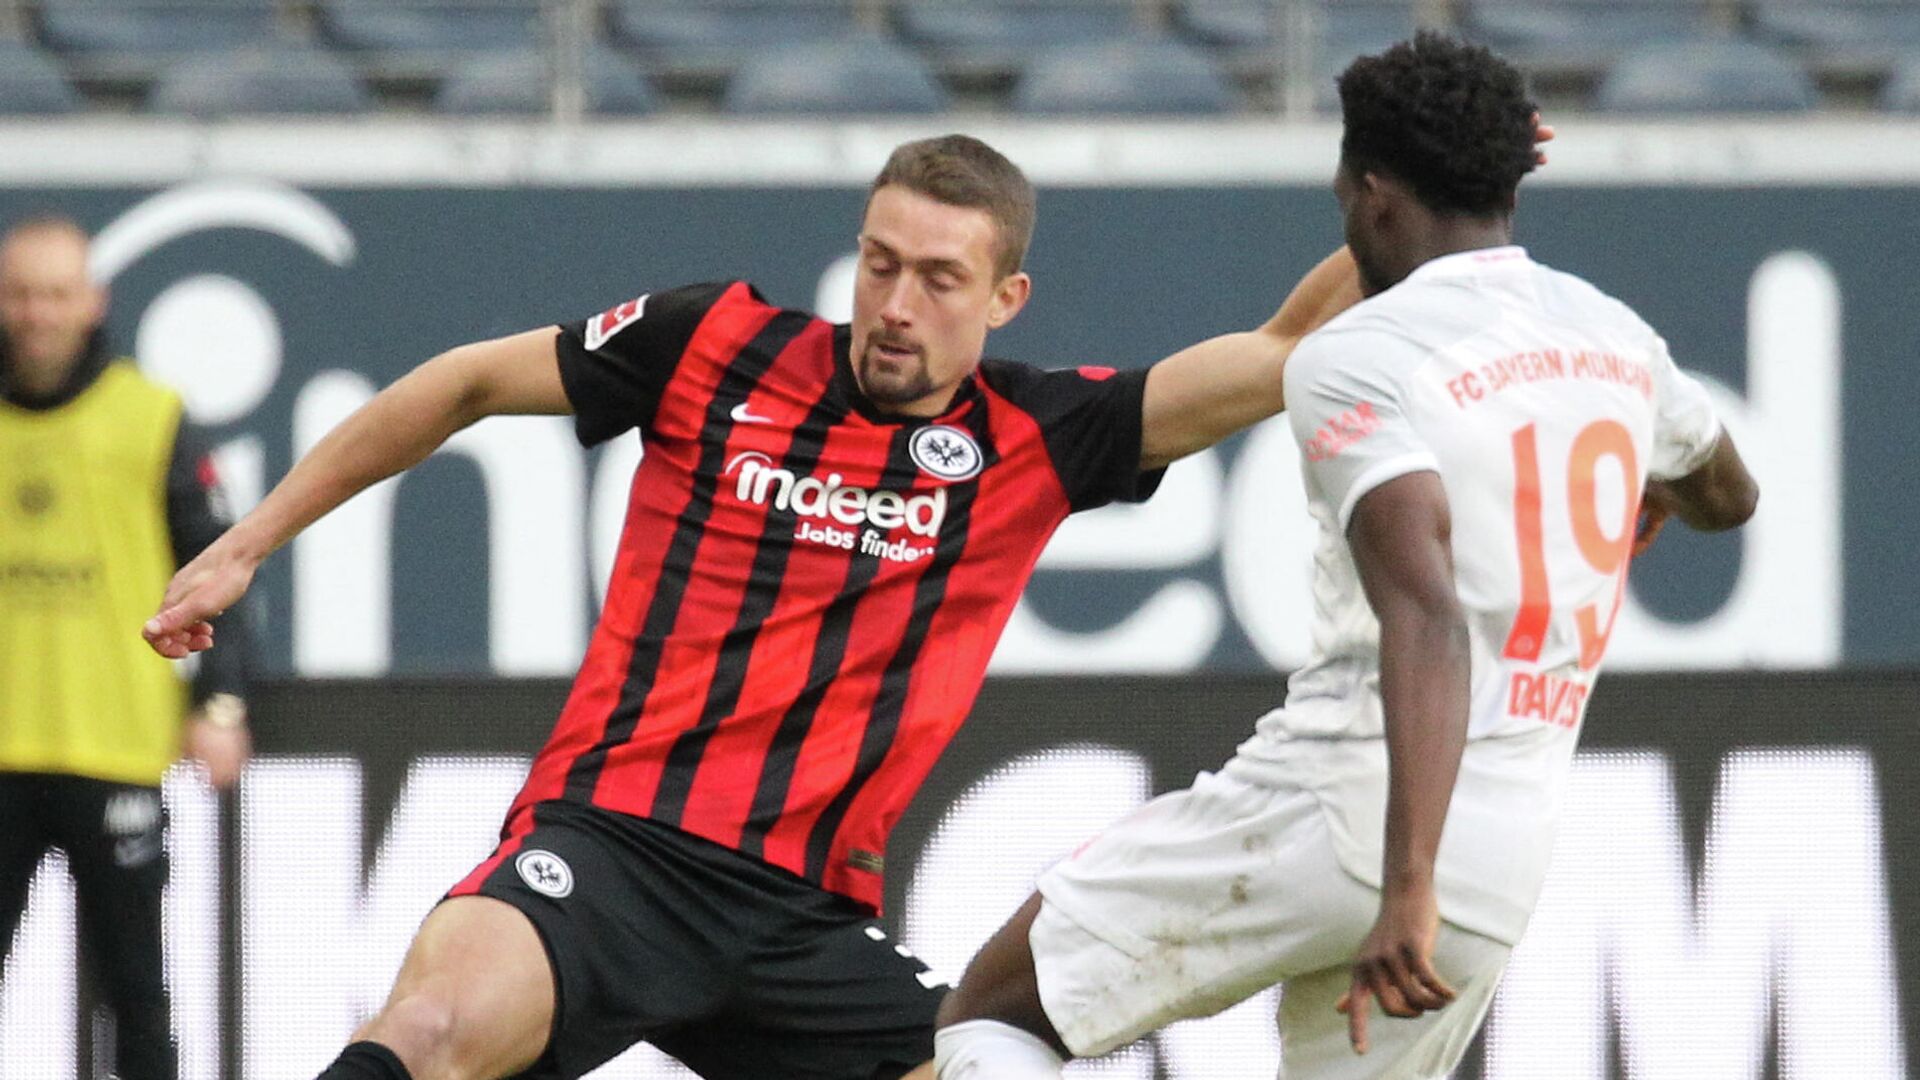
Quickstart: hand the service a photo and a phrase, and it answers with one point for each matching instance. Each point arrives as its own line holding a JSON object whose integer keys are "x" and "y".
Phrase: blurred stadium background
{"x": 296, "y": 200}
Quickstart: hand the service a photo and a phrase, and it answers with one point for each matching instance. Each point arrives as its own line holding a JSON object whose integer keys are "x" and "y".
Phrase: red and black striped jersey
{"x": 807, "y": 591}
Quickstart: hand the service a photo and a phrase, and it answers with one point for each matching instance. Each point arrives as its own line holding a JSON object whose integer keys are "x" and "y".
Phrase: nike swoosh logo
{"x": 742, "y": 416}
{"x": 137, "y": 851}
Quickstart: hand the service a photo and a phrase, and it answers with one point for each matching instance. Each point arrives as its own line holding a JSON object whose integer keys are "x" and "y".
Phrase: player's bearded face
{"x": 925, "y": 295}
{"x": 893, "y": 368}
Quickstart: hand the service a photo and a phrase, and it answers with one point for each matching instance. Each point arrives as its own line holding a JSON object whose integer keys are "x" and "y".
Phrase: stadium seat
{"x": 1229, "y": 24}
{"x": 1000, "y": 34}
{"x": 32, "y": 83}
{"x": 1726, "y": 76}
{"x": 714, "y": 37}
{"x": 1364, "y": 29}
{"x": 866, "y": 75}
{"x": 285, "y": 81}
{"x": 166, "y": 28}
{"x": 1586, "y": 36}
{"x": 1158, "y": 77}
{"x": 1354, "y": 26}
{"x": 518, "y": 82}
{"x": 1902, "y": 91}
{"x": 1351, "y": 29}
{"x": 446, "y": 28}
{"x": 1249, "y": 35}
{"x": 1841, "y": 35}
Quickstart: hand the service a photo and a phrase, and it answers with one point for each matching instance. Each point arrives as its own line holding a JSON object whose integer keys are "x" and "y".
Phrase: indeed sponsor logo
{"x": 760, "y": 481}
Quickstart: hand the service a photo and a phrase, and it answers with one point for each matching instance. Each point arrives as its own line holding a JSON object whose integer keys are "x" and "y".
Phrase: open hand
{"x": 1395, "y": 965}
{"x": 198, "y": 594}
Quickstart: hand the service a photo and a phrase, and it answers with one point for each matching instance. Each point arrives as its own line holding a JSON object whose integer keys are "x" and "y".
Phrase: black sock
{"x": 366, "y": 1061}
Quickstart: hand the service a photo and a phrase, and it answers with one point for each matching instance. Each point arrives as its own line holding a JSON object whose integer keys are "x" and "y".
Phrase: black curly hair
{"x": 1450, "y": 119}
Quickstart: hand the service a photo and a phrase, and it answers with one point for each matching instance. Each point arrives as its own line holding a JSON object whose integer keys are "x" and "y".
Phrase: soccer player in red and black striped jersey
{"x": 826, "y": 534}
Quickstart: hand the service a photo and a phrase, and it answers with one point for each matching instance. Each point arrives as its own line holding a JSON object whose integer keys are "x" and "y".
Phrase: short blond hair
{"x": 960, "y": 170}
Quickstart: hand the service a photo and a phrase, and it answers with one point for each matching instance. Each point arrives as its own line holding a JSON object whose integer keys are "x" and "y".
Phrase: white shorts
{"x": 1204, "y": 897}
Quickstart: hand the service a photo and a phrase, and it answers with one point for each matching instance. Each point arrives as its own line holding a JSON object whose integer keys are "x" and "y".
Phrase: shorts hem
{"x": 1066, "y": 1020}
{"x": 1054, "y": 888}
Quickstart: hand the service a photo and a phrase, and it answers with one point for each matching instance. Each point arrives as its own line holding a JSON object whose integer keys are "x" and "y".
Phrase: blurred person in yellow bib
{"x": 105, "y": 490}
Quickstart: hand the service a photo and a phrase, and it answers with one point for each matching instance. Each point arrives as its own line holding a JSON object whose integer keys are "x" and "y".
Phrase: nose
{"x": 894, "y": 308}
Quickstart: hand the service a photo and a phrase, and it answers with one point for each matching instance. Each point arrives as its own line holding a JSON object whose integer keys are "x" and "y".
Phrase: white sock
{"x": 991, "y": 1050}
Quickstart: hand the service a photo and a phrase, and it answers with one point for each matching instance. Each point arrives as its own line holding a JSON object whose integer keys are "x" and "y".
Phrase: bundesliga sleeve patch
{"x": 603, "y": 326}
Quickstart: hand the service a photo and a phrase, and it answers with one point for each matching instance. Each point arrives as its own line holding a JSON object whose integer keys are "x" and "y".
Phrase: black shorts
{"x": 738, "y": 969}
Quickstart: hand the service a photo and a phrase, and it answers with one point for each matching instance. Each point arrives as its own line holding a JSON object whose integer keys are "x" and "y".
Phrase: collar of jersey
{"x": 846, "y": 389}
{"x": 1472, "y": 263}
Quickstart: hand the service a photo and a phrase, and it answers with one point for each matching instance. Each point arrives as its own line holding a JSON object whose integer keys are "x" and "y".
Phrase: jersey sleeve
{"x": 1685, "y": 425}
{"x": 1347, "y": 404}
{"x": 1089, "y": 419}
{"x": 617, "y": 365}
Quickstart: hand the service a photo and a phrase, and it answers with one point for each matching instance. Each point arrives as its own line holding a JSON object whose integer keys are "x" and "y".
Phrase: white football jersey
{"x": 1544, "y": 405}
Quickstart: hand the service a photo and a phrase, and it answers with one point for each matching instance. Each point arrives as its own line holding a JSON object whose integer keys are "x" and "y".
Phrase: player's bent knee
{"x": 1001, "y": 983}
{"x": 954, "y": 1008}
{"x": 422, "y": 1028}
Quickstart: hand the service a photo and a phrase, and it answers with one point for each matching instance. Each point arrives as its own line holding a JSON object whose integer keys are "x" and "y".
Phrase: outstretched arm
{"x": 1206, "y": 392}
{"x": 1400, "y": 536}
{"x": 393, "y": 432}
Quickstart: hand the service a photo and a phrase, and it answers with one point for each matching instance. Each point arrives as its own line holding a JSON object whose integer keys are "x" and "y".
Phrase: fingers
{"x": 178, "y": 644}
{"x": 1431, "y": 986}
{"x": 1652, "y": 520}
{"x": 1356, "y": 1004}
{"x": 171, "y": 620}
{"x": 1405, "y": 985}
{"x": 1387, "y": 989}
{"x": 1542, "y": 133}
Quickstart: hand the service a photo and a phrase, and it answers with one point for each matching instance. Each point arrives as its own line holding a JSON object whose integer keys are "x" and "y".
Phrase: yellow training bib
{"x": 84, "y": 557}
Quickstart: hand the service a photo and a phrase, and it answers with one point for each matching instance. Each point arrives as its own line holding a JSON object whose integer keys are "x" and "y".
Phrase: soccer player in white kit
{"x": 1479, "y": 439}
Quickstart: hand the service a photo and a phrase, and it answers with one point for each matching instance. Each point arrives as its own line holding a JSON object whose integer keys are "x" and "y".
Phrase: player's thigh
{"x": 826, "y": 997}
{"x": 1197, "y": 901}
{"x": 1314, "y": 1042}
{"x": 475, "y": 993}
{"x": 641, "y": 925}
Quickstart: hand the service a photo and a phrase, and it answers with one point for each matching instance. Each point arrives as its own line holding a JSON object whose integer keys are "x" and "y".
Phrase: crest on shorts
{"x": 947, "y": 452}
{"x": 545, "y": 873}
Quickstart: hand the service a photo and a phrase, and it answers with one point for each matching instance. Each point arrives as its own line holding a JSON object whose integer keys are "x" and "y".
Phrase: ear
{"x": 1009, "y": 296}
{"x": 1387, "y": 200}
{"x": 1375, "y": 191}
{"x": 99, "y": 303}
